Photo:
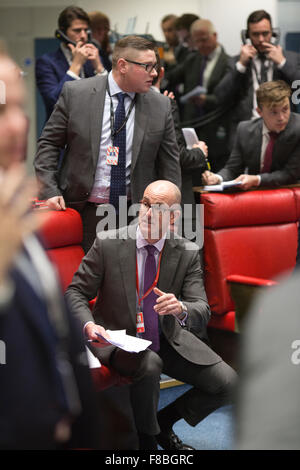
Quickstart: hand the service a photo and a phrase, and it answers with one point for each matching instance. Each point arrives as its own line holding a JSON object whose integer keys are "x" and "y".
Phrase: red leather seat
{"x": 62, "y": 237}
{"x": 251, "y": 234}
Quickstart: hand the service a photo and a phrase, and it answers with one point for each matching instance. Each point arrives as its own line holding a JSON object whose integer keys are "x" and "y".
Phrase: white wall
{"x": 23, "y": 20}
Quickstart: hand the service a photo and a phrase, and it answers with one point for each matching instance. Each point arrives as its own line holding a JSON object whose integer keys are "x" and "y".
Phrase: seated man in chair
{"x": 147, "y": 272}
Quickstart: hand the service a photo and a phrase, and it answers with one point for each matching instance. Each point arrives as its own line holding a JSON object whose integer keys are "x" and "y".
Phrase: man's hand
{"x": 93, "y": 56}
{"x": 90, "y": 331}
{"x": 202, "y": 146}
{"x": 247, "y": 53}
{"x": 248, "y": 181}
{"x": 166, "y": 304}
{"x": 56, "y": 203}
{"x": 210, "y": 178}
{"x": 79, "y": 56}
{"x": 274, "y": 53}
{"x": 17, "y": 219}
{"x": 198, "y": 100}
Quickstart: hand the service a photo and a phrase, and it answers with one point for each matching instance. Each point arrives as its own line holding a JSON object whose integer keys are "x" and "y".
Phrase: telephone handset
{"x": 274, "y": 39}
{"x": 59, "y": 34}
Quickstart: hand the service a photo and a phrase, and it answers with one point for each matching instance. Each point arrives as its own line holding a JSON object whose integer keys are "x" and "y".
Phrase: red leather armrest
{"x": 249, "y": 280}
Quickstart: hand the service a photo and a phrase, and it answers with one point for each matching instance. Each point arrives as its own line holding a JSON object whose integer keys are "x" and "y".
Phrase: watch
{"x": 182, "y": 316}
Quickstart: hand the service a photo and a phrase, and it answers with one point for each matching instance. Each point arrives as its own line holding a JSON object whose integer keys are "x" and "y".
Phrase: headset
{"x": 59, "y": 34}
{"x": 274, "y": 39}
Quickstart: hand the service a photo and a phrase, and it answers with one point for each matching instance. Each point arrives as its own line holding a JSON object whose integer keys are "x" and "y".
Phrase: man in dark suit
{"x": 261, "y": 59}
{"x": 69, "y": 62}
{"x": 205, "y": 67}
{"x": 266, "y": 150}
{"x": 82, "y": 122}
{"x": 46, "y": 399}
{"x": 170, "y": 309}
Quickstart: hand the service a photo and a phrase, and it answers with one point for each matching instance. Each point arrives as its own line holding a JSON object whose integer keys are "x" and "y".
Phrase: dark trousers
{"x": 213, "y": 385}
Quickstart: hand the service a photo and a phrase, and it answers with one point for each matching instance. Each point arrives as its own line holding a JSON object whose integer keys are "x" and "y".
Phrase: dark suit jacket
{"x": 237, "y": 88}
{"x": 109, "y": 270}
{"x": 188, "y": 73}
{"x": 32, "y": 395}
{"x": 50, "y": 72}
{"x": 76, "y": 124}
{"x": 246, "y": 153}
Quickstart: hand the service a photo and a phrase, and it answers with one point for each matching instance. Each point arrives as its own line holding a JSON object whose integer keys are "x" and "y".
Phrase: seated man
{"x": 69, "y": 61}
{"x": 267, "y": 149}
{"x": 149, "y": 282}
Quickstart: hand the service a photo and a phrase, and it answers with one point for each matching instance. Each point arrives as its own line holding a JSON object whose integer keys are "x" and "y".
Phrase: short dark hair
{"x": 168, "y": 17}
{"x": 130, "y": 42}
{"x": 185, "y": 21}
{"x": 257, "y": 16}
{"x": 70, "y": 14}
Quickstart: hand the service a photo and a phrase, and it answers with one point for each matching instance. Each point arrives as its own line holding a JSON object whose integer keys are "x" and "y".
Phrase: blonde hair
{"x": 272, "y": 93}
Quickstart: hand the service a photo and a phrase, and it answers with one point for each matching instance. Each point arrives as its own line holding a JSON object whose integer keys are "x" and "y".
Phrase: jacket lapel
{"x": 127, "y": 260}
{"x": 96, "y": 106}
{"x": 140, "y": 125}
{"x": 169, "y": 264}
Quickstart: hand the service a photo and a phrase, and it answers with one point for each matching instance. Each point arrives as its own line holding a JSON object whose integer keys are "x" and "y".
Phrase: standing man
{"x": 100, "y": 27}
{"x": 261, "y": 59}
{"x": 149, "y": 282}
{"x": 266, "y": 150}
{"x": 45, "y": 393}
{"x": 118, "y": 137}
{"x": 206, "y": 67}
{"x": 71, "y": 61}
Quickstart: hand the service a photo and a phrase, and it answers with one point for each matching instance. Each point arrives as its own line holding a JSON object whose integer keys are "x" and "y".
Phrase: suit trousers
{"x": 213, "y": 386}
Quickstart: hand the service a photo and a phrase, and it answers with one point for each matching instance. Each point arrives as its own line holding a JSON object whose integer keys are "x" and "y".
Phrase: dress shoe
{"x": 169, "y": 441}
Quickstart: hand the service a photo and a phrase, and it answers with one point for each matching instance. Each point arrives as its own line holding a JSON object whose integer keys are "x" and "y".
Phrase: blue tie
{"x": 118, "y": 172}
{"x": 150, "y": 316}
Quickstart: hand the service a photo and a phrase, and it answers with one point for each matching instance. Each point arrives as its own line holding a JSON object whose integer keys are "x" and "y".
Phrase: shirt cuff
{"x": 7, "y": 289}
{"x": 83, "y": 329}
{"x": 240, "y": 67}
{"x": 282, "y": 63}
{"x": 220, "y": 178}
{"x": 259, "y": 179}
{"x": 73, "y": 75}
{"x": 103, "y": 73}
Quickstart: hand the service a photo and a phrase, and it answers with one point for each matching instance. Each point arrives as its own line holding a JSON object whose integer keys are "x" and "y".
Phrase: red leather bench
{"x": 62, "y": 236}
{"x": 250, "y": 234}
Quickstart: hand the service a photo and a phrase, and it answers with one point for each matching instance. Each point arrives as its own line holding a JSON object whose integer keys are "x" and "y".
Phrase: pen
{"x": 92, "y": 341}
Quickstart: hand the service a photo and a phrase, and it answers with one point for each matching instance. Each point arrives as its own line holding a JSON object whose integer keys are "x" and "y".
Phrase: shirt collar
{"x": 114, "y": 87}
{"x": 141, "y": 242}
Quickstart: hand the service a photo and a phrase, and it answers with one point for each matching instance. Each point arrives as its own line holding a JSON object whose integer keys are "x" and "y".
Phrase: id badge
{"x": 140, "y": 327}
{"x": 112, "y": 155}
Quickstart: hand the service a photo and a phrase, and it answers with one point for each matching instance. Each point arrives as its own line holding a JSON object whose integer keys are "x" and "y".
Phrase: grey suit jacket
{"x": 76, "y": 125}
{"x": 246, "y": 152}
{"x": 108, "y": 271}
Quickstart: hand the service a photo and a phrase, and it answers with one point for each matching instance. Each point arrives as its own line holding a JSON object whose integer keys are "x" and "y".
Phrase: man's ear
{"x": 259, "y": 110}
{"x": 122, "y": 65}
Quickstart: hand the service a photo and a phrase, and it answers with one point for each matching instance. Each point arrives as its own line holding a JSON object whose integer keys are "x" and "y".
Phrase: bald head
{"x": 13, "y": 123}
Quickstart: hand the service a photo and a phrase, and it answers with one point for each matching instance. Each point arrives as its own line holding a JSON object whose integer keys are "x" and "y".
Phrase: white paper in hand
{"x": 129, "y": 343}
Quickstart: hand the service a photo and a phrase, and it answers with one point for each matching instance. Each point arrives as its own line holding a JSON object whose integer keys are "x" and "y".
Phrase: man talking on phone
{"x": 76, "y": 58}
{"x": 261, "y": 59}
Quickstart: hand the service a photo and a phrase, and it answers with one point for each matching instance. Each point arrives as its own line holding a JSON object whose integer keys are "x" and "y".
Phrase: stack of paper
{"x": 221, "y": 186}
{"x": 129, "y": 343}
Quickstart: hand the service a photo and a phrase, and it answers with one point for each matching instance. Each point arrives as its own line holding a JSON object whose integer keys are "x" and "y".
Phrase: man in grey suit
{"x": 266, "y": 150}
{"x": 115, "y": 270}
{"x": 261, "y": 59}
{"x": 83, "y": 124}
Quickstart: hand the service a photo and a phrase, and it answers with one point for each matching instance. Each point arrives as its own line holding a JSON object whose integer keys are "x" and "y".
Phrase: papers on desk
{"x": 198, "y": 90}
{"x": 220, "y": 187}
{"x": 129, "y": 343}
{"x": 190, "y": 137}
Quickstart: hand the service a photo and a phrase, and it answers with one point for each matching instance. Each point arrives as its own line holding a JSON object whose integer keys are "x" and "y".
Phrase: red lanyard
{"x": 154, "y": 282}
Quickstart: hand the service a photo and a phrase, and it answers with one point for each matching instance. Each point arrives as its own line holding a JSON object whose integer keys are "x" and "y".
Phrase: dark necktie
{"x": 202, "y": 69}
{"x": 118, "y": 172}
{"x": 263, "y": 69}
{"x": 269, "y": 153}
{"x": 150, "y": 316}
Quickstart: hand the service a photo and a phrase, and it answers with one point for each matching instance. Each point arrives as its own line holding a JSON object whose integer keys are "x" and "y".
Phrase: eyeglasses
{"x": 148, "y": 67}
{"x": 156, "y": 208}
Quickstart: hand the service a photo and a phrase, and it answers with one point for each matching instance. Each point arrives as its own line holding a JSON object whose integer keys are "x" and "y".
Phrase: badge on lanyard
{"x": 112, "y": 155}
{"x": 140, "y": 326}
